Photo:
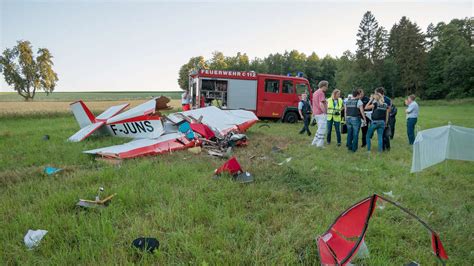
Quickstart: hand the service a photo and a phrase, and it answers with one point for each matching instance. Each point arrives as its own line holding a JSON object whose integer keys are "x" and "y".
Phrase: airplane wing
{"x": 222, "y": 121}
{"x": 142, "y": 147}
{"x": 112, "y": 111}
{"x": 85, "y": 132}
{"x": 138, "y": 111}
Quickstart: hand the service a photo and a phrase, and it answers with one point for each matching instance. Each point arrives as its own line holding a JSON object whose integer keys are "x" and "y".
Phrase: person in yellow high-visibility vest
{"x": 335, "y": 106}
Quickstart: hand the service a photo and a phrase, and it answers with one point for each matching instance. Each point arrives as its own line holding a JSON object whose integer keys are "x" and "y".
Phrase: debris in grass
{"x": 45, "y": 137}
{"x": 361, "y": 169}
{"x": 215, "y": 153}
{"x": 97, "y": 203}
{"x": 233, "y": 168}
{"x": 33, "y": 238}
{"x": 195, "y": 150}
{"x": 276, "y": 149}
{"x": 244, "y": 177}
{"x": 48, "y": 170}
{"x": 149, "y": 244}
{"x": 352, "y": 224}
{"x": 287, "y": 160}
{"x": 363, "y": 252}
{"x": 389, "y": 194}
{"x": 412, "y": 263}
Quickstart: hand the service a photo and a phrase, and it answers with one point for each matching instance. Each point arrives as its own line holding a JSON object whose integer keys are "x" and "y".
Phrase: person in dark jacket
{"x": 364, "y": 126}
{"x": 354, "y": 112}
{"x": 379, "y": 119}
{"x": 387, "y": 131}
{"x": 304, "y": 110}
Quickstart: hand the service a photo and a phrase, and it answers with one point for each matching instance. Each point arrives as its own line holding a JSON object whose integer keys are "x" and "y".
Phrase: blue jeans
{"x": 338, "y": 132}
{"x": 353, "y": 126}
{"x": 378, "y": 125}
{"x": 411, "y": 122}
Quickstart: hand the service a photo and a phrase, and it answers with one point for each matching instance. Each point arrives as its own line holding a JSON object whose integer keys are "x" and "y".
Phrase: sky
{"x": 140, "y": 45}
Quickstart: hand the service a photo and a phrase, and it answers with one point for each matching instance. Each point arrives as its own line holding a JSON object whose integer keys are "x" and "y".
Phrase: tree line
{"x": 433, "y": 65}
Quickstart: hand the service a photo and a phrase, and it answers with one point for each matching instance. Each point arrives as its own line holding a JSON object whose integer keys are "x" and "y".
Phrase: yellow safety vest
{"x": 332, "y": 110}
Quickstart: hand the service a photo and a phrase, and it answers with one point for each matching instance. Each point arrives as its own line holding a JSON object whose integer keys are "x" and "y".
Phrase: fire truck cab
{"x": 268, "y": 96}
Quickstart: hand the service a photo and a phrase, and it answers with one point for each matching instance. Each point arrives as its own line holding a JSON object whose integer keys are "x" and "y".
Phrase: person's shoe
{"x": 363, "y": 145}
{"x": 339, "y": 144}
{"x": 301, "y": 132}
{"x": 309, "y": 133}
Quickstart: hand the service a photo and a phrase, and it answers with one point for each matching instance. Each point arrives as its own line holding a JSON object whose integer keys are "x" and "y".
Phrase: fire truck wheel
{"x": 290, "y": 117}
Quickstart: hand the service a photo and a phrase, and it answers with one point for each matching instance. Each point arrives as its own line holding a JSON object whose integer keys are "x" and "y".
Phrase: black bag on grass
{"x": 146, "y": 244}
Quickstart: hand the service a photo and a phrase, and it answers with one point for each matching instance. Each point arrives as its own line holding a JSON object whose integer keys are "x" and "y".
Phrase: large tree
{"x": 406, "y": 48}
{"x": 194, "y": 64}
{"x": 450, "y": 62}
{"x": 366, "y": 37}
{"x": 26, "y": 73}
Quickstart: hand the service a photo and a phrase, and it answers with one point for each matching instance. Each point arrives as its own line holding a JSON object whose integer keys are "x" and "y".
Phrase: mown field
{"x": 200, "y": 220}
{"x": 12, "y": 103}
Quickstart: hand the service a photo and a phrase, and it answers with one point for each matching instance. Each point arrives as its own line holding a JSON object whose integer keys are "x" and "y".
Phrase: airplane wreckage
{"x": 154, "y": 133}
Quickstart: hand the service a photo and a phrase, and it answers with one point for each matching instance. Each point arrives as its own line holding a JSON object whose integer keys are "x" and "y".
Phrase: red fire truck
{"x": 269, "y": 96}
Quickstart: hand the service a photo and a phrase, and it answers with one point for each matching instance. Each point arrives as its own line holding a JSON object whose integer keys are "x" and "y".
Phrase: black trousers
{"x": 364, "y": 134}
{"x": 391, "y": 122}
{"x": 386, "y": 138}
{"x": 306, "y": 121}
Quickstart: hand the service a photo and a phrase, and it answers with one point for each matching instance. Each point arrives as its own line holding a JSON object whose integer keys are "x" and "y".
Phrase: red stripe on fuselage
{"x": 136, "y": 119}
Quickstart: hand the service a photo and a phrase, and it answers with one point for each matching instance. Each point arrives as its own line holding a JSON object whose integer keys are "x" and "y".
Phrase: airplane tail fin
{"x": 83, "y": 115}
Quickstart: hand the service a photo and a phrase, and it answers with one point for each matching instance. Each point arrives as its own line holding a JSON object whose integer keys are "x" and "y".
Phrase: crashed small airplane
{"x": 154, "y": 133}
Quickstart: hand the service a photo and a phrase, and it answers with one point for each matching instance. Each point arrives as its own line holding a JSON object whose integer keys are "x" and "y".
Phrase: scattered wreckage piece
{"x": 342, "y": 241}
{"x": 48, "y": 170}
{"x": 149, "y": 244}
{"x": 33, "y": 238}
{"x": 220, "y": 121}
{"x": 97, "y": 203}
{"x": 233, "y": 168}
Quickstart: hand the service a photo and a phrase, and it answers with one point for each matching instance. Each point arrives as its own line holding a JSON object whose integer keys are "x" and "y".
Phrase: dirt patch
{"x": 33, "y": 107}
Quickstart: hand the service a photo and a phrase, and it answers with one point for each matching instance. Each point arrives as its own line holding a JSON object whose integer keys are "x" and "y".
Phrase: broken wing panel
{"x": 348, "y": 231}
{"x": 85, "y": 132}
{"x": 339, "y": 244}
{"x": 140, "y": 110}
{"x": 142, "y": 147}
{"x": 112, "y": 111}
{"x": 220, "y": 120}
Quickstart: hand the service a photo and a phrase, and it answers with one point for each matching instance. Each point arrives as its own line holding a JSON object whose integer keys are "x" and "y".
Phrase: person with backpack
{"x": 304, "y": 110}
{"x": 354, "y": 112}
{"x": 335, "y": 105}
{"x": 379, "y": 122}
{"x": 387, "y": 131}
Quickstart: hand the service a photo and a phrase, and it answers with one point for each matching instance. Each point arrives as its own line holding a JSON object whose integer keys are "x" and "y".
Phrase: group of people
{"x": 357, "y": 113}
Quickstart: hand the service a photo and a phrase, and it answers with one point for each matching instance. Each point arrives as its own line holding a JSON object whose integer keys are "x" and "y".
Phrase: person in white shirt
{"x": 412, "y": 117}
{"x": 186, "y": 100}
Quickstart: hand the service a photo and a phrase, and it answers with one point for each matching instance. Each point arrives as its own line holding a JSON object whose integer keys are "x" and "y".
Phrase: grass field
{"x": 199, "y": 220}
